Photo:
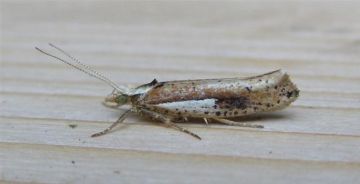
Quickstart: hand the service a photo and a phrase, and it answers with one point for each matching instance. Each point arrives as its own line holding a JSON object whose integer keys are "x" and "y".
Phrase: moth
{"x": 210, "y": 99}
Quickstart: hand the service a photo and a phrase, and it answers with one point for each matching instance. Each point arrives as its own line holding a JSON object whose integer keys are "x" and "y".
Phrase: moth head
{"x": 116, "y": 99}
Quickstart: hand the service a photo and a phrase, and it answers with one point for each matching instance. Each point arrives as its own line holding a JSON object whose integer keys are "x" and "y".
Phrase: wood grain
{"x": 48, "y": 111}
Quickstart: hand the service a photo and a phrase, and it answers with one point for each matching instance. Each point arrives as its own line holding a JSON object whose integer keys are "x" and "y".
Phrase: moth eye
{"x": 296, "y": 93}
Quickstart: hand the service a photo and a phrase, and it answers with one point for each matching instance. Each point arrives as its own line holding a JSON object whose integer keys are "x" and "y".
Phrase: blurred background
{"x": 310, "y": 38}
{"x": 133, "y": 42}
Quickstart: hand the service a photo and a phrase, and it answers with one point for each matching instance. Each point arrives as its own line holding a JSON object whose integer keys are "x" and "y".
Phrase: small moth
{"x": 210, "y": 99}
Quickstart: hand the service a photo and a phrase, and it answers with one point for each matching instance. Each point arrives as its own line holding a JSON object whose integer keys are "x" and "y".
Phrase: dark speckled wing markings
{"x": 222, "y": 98}
{"x": 216, "y": 99}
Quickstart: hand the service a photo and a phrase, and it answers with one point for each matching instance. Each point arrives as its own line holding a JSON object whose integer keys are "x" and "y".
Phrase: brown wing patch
{"x": 233, "y": 103}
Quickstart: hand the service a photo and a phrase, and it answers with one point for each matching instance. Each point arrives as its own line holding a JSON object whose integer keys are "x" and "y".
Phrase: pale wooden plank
{"x": 217, "y": 140}
{"x": 58, "y": 164}
{"x": 203, "y": 50}
{"x": 314, "y": 141}
{"x": 215, "y": 67}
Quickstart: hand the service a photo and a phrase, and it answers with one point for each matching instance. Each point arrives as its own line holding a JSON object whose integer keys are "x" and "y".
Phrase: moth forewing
{"x": 216, "y": 99}
{"x": 221, "y": 98}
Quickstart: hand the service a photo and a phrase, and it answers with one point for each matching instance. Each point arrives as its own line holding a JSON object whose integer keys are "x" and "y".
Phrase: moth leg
{"x": 173, "y": 125}
{"x": 167, "y": 121}
{"x": 206, "y": 121}
{"x": 240, "y": 124}
{"x": 120, "y": 120}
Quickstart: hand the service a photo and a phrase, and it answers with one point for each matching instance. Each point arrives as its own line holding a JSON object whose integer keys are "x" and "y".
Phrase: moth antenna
{"x": 83, "y": 65}
{"x": 86, "y": 70}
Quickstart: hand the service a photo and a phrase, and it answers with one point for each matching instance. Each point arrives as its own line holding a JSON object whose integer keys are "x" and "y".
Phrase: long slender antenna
{"x": 86, "y": 69}
{"x": 84, "y": 65}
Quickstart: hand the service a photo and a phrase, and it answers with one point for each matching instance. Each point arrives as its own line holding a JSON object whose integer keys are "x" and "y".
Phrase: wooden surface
{"x": 316, "y": 140}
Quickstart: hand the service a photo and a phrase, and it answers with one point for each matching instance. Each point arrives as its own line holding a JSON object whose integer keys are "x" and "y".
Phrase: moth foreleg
{"x": 167, "y": 121}
{"x": 120, "y": 120}
{"x": 240, "y": 124}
